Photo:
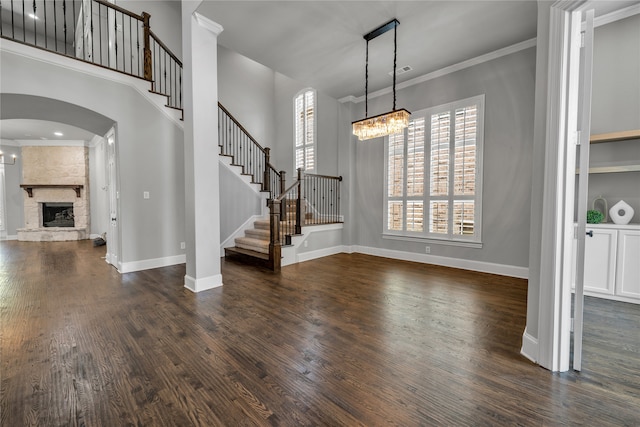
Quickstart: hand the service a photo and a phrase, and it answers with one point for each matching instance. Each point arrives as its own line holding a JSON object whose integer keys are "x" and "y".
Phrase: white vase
{"x": 621, "y": 213}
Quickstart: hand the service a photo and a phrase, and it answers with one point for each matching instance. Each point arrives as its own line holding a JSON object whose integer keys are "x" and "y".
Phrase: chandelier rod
{"x": 370, "y": 36}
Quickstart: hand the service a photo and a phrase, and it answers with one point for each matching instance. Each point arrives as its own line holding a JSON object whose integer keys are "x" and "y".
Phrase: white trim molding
{"x": 202, "y": 284}
{"x": 446, "y": 70}
{"x": 320, "y": 253}
{"x": 146, "y": 264}
{"x": 207, "y": 23}
{"x": 529, "y": 347}
{"x": 463, "y": 264}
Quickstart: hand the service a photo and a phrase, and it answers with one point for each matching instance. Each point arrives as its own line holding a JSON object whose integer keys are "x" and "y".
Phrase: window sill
{"x": 445, "y": 242}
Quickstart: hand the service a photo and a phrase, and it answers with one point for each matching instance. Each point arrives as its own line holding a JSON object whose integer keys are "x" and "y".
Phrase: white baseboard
{"x": 146, "y": 264}
{"x": 307, "y": 256}
{"x": 10, "y": 237}
{"x": 464, "y": 264}
{"x": 202, "y": 284}
{"x": 529, "y": 347}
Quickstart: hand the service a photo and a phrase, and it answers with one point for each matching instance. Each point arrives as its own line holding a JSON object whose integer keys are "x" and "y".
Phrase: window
{"x": 434, "y": 174}
{"x": 304, "y": 106}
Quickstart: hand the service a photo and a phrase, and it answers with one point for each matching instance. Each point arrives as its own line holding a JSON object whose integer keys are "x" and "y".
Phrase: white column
{"x": 200, "y": 102}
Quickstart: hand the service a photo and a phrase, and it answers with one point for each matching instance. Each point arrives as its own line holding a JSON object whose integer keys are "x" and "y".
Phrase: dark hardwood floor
{"x": 344, "y": 340}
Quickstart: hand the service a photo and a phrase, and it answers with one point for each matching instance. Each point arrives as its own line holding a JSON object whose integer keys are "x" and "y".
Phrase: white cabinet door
{"x": 600, "y": 261}
{"x": 628, "y": 268}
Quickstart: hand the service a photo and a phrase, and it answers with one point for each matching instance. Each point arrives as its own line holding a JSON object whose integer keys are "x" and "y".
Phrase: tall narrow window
{"x": 304, "y": 107}
{"x": 434, "y": 174}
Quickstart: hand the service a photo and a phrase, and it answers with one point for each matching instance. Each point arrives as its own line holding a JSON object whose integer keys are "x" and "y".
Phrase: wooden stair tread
{"x": 246, "y": 252}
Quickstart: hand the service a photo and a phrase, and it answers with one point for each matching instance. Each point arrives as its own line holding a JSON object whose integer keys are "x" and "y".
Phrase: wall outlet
{"x": 427, "y": 249}
{"x": 145, "y": 194}
{"x": 182, "y": 245}
{"x": 306, "y": 244}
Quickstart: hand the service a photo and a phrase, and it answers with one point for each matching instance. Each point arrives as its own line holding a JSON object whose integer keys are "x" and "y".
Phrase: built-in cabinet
{"x": 612, "y": 262}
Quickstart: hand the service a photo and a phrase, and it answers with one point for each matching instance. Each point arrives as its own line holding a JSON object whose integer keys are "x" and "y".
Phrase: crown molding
{"x": 9, "y": 143}
{"x": 51, "y": 143}
{"x": 447, "y": 70}
{"x": 207, "y": 23}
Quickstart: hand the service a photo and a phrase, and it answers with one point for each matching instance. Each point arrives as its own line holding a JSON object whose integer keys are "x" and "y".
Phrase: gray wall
{"x": 246, "y": 89}
{"x": 150, "y": 151}
{"x": 166, "y": 20}
{"x": 262, "y": 101}
{"x": 508, "y": 85}
{"x": 238, "y": 202}
{"x": 616, "y": 107}
{"x": 13, "y": 193}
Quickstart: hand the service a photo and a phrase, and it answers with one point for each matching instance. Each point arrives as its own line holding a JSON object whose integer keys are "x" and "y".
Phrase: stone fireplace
{"x": 56, "y": 198}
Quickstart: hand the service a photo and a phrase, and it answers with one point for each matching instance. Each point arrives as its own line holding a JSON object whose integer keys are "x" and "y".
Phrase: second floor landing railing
{"x": 97, "y": 32}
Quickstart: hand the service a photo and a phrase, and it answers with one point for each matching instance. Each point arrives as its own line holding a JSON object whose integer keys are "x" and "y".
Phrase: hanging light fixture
{"x": 387, "y": 123}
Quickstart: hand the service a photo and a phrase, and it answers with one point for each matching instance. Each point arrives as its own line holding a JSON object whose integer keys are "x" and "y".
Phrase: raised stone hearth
{"x": 55, "y": 175}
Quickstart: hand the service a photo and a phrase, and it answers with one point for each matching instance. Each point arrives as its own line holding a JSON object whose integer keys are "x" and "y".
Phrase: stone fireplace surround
{"x": 56, "y": 167}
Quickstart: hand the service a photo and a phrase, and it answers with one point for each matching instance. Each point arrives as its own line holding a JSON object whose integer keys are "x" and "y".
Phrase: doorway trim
{"x": 554, "y": 313}
{"x": 113, "y": 255}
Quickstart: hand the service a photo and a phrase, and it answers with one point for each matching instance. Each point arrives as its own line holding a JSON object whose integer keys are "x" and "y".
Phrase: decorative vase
{"x": 621, "y": 213}
{"x": 600, "y": 204}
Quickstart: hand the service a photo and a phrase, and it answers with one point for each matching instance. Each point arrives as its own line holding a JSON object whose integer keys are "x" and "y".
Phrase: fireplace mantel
{"x": 29, "y": 187}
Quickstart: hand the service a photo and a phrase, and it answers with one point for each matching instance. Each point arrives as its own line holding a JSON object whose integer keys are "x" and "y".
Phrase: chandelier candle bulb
{"x": 384, "y": 124}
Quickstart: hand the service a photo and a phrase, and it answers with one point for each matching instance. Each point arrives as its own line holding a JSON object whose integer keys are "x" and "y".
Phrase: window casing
{"x": 304, "y": 110}
{"x": 433, "y": 175}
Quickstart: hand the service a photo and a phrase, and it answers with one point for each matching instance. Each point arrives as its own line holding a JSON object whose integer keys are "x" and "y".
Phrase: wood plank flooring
{"x": 346, "y": 340}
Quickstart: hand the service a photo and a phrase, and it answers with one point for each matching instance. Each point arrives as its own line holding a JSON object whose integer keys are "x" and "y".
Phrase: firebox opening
{"x": 57, "y": 215}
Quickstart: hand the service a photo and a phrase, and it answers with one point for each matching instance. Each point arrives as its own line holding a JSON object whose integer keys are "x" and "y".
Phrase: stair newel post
{"x": 148, "y": 74}
{"x": 275, "y": 253}
{"x": 300, "y": 211}
{"x": 266, "y": 181}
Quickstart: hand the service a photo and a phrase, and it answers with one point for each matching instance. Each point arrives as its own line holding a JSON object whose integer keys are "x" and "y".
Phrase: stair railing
{"x": 311, "y": 200}
{"x": 236, "y": 142}
{"x": 99, "y": 33}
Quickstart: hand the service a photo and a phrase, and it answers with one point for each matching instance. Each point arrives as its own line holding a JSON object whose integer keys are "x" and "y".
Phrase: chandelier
{"x": 388, "y": 123}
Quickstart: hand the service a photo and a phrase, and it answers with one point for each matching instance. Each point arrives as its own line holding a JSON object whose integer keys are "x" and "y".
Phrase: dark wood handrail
{"x": 119, "y": 9}
{"x": 164, "y": 46}
{"x": 287, "y": 191}
{"x": 237, "y": 123}
{"x": 339, "y": 178}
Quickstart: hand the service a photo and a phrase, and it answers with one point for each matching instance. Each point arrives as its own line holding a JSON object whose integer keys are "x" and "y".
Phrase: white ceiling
{"x": 321, "y": 44}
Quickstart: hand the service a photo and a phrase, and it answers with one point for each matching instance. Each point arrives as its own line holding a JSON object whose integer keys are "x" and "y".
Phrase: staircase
{"x": 310, "y": 200}
{"x": 112, "y": 37}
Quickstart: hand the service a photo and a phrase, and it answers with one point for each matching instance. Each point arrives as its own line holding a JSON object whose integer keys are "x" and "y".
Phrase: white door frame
{"x": 554, "y": 313}
{"x": 113, "y": 256}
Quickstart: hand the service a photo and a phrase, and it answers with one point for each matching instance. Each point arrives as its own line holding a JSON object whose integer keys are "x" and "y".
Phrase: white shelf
{"x": 615, "y": 136}
{"x": 613, "y": 167}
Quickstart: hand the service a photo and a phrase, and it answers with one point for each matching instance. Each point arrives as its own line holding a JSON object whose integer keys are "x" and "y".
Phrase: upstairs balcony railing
{"x": 97, "y": 32}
